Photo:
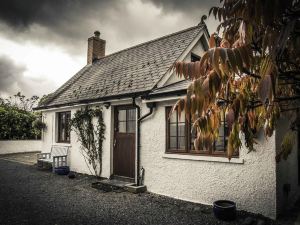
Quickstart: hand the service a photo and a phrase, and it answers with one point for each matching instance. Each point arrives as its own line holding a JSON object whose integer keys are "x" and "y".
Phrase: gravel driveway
{"x": 31, "y": 196}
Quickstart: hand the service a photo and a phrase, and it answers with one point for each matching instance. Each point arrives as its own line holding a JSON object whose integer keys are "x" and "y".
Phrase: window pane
{"x": 68, "y": 118}
{"x": 62, "y": 134}
{"x": 173, "y": 143}
{"x": 131, "y": 114}
{"x": 220, "y": 144}
{"x": 173, "y": 129}
{"x": 182, "y": 117}
{"x": 181, "y": 142}
{"x": 177, "y": 131}
{"x": 122, "y": 127}
{"x": 64, "y": 126}
{"x": 181, "y": 129}
{"x": 62, "y": 119}
{"x": 130, "y": 126}
{"x": 122, "y": 115}
{"x": 193, "y": 137}
{"x": 172, "y": 117}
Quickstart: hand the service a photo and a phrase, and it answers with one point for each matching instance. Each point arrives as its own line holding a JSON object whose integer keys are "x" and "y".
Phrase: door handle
{"x": 115, "y": 142}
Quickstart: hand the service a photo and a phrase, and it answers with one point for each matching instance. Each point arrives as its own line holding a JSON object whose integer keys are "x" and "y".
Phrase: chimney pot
{"x": 97, "y": 34}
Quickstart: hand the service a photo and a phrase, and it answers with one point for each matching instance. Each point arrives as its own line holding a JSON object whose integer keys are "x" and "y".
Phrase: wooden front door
{"x": 124, "y": 142}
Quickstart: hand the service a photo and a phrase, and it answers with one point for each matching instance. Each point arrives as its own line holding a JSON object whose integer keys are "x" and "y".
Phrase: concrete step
{"x": 115, "y": 183}
{"x": 108, "y": 185}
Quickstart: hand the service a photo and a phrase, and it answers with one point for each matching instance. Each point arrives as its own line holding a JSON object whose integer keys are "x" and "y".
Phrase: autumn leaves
{"x": 223, "y": 80}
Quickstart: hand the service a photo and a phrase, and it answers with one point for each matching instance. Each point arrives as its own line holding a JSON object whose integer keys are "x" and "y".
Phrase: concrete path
{"x": 28, "y": 158}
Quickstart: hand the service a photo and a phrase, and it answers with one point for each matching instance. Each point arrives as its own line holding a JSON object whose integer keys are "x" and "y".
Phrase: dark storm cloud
{"x": 12, "y": 80}
{"x": 186, "y": 6}
{"x": 21, "y": 14}
{"x": 63, "y": 22}
{"x": 193, "y": 9}
{"x": 68, "y": 23}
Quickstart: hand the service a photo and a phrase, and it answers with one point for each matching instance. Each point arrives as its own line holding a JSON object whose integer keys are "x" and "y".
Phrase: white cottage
{"x": 138, "y": 88}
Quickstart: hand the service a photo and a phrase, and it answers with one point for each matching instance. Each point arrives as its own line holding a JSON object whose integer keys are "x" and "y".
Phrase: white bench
{"x": 56, "y": 158}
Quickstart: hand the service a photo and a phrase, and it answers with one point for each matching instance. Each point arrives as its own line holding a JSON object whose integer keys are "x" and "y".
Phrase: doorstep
{"x": 121, "y": 178}
{"x": 108, "y": 185}
{"x": 115, "y": 183}
{"x": 135, "y": 189}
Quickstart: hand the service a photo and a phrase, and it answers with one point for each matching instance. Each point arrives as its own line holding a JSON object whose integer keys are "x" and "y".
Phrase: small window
{"x": 63, "y": 121}
{"x": 180, "y": 136}
{"x": 195, "y": 57}
{"x": 126, "y": 120}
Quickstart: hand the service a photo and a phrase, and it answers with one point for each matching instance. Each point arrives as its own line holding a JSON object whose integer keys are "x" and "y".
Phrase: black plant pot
{"x": 225, "y": 210}
{"x": 71, "y": 175}
{"x": 62, "y": 170}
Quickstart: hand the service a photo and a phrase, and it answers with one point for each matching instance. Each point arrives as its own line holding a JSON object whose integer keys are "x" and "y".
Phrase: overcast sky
{"x": 43, "y": 42}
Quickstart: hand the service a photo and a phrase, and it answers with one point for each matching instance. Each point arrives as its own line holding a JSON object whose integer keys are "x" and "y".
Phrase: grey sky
{"x": 43, "y": 42}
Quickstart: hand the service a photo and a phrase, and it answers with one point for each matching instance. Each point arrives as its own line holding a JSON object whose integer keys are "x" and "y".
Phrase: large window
{"x": 180, "y": 136}
{"x": 63, "y": 122}
{"x": 176, "y": 130}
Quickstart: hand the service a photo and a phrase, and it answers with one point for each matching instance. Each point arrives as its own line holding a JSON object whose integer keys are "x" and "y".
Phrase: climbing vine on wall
{"x": 89, "y": 126}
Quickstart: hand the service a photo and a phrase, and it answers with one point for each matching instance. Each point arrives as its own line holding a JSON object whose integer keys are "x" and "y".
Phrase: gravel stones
{"x": 30, "y": 196}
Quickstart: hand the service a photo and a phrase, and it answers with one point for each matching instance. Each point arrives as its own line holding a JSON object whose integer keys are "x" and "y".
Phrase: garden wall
{"x": 18, "y": 146}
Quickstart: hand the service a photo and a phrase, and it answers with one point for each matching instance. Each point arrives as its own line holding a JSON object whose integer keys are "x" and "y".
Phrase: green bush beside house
{"x": 19, "y": 123}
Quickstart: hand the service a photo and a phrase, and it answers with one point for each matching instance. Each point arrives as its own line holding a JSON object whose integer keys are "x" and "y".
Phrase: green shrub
{"x": 18, "y": 124}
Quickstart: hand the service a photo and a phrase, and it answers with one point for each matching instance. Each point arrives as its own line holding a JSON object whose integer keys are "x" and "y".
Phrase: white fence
{"x": 18, "y": 146}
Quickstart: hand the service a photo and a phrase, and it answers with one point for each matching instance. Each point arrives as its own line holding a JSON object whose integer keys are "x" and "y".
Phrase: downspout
{"x": 151, "y": 106}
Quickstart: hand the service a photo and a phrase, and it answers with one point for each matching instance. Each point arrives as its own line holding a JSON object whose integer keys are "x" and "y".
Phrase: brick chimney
{"x": 96, "y": 48}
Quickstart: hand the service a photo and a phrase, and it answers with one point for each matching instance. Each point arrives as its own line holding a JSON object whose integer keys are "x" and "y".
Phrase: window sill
{"x": 203, "y": 158}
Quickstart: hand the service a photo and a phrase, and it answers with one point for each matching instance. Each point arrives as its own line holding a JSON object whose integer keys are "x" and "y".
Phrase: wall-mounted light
{"x": 106, "y": 104}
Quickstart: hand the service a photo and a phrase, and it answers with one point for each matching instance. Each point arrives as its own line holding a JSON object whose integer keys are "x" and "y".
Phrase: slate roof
{"x": 131, "y": 71}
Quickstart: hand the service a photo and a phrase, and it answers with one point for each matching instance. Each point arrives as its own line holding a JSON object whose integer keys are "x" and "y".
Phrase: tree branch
{"x": 250, "y": 74}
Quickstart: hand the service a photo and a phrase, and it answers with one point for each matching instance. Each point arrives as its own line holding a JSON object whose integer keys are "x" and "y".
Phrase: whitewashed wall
{"x": 76, "y": 160}
{"x": 252, "y": 185}
{"x": 18, "y": 146}
{"x": 250, "y": 180}
{"x": 287, "y": 171}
